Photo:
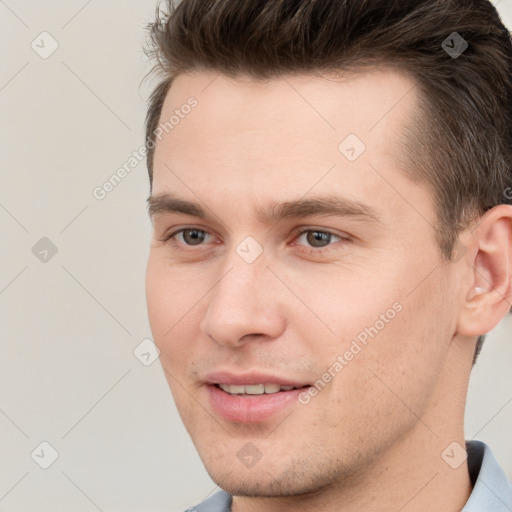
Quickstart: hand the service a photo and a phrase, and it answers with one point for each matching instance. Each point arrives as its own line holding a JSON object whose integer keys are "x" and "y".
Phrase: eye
{"x": 189, "y": 236}
{"x": 318, "y": 239}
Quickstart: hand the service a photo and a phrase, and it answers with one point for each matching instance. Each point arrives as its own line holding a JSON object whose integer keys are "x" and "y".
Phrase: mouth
{"x": 252, "y": 402}
{"x": 251, "y": 390}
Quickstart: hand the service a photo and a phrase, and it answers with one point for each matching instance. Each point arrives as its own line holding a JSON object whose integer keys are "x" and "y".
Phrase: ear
{"x": 489, "y": 297}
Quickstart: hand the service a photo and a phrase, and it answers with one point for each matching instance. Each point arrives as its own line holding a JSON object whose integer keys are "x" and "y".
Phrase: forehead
{"x": 360, "y": 101}
{"x": 302, "y": 110}
{"x": 284, "y": 136}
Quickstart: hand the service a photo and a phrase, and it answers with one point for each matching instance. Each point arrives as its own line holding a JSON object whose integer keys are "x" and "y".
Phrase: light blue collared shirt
{"x": 492, "y": 491}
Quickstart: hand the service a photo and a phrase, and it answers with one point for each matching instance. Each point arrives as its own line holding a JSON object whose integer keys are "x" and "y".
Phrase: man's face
{"x": 358, "y": 304}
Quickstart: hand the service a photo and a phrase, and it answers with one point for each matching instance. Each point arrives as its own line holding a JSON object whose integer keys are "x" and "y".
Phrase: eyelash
{"x": 313, "y": 250}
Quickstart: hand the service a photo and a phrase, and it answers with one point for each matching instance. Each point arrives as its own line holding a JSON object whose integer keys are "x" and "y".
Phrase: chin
{"x": 255, "y": 486}
{"x": 272, "y": 481}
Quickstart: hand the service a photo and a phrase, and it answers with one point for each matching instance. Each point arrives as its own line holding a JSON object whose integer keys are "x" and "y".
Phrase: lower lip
{"x": 250, "y": 409}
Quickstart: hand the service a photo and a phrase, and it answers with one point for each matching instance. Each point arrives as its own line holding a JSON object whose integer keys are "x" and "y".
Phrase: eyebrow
{"x": 325, "y": 205}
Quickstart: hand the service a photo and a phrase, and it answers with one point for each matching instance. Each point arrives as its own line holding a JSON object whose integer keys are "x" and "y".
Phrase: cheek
{"x": 403, "y": 363}
{"x": 169, "y": 306}
{"x": 169, "y": 293}
{"x": 344, "y": 305}
{"x": 386, "y": 351}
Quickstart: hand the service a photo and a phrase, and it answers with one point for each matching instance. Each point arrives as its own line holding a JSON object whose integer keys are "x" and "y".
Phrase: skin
{"x": 373, "y": 438}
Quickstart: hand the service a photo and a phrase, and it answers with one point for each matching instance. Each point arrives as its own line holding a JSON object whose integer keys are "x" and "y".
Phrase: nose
{"x": 243, "y": 305}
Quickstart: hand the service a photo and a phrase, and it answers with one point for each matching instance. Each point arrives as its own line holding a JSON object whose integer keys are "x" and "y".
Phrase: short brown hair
{"x": 461, "y": 142}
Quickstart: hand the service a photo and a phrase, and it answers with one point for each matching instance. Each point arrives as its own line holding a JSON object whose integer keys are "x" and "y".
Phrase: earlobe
{"x": 490, "y": 296}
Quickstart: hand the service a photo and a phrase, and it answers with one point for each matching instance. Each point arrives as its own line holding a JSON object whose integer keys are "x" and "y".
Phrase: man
{"x": 330, "y": 195}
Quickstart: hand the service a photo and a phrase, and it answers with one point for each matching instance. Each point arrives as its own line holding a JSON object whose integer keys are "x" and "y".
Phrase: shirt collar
{"x": 492, "y": 490}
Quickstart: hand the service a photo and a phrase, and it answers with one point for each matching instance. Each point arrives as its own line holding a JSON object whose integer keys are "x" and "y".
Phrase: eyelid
{"x": 168, "y": 236}
{"x": 314, "y": 229}
{"x": 343, "y": 238}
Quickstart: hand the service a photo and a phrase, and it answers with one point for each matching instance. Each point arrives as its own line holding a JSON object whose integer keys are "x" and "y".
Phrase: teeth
{"x": 257, "y": 389}
{"x": 236, "y": 389}
{"x": 272, "y": 388}
{"x": 254, "y": 389}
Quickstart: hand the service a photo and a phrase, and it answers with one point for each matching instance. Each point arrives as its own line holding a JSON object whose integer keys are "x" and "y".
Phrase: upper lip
{"x": 250, "y": 378}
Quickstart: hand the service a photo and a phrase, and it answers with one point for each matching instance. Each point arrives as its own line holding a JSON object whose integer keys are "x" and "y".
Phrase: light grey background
{"x": 68, "y": 375}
